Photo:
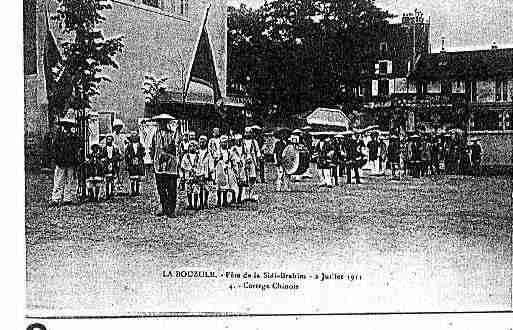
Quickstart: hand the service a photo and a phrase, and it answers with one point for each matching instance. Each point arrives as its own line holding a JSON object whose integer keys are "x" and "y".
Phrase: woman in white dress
{"x": 224, "y": 175}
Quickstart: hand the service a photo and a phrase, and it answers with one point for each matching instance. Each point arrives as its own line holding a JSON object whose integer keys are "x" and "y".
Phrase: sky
{"x": 465, "y": 24}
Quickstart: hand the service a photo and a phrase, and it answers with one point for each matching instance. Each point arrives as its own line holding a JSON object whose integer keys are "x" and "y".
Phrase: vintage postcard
{"x": 245, "y": 158}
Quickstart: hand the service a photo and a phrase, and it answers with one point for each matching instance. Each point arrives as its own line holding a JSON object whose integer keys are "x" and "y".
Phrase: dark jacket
{"x": 278, "y": 151}
{"x": 325, "y": 155}
{"x": 94, "y": 166}
{"x": 373, "y": 147}
{"x": 475, "y": 153}
{"x": 394, "y": 151}
{"x": 66, "y": 149}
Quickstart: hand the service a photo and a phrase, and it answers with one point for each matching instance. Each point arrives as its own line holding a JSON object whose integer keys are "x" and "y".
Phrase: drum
{"x": 296, "y": 159}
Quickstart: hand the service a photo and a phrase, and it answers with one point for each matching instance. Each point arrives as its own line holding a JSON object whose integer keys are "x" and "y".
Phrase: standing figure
{"x": 325, "y": 156}
{"x": 373, "y": 147}
{"x": 190, "y": 168}
{"x": 307, "y": 141}
{"x": 110, "y": 157}
{"x": 66, "y": 154}
{"x": 425, "y": 156}
{"x": 239, "y": 166}
{"x": 259, "y": 137}
{"x": 214, "y": 145}
{"x": 224, "y": 175}
{"x": 206, "y": 171}
{"x": 341, "y": 155}
{"x": 394, "y": 156}
{"x": 282, "y": 177}
{"x": 183, "y": 148}
{"x": 436, "y": 155}
{"x": 120, "y": 142}
{"x": 354, "y": 156}
{"x": 416, "y": 156}
{"x": 94, "y": 172}
{"x": 251, "y": 156}
{"x": 134, "y": 159}
{"x": 165, "y": 162}
{"x": 382, "y": 155}
{"x": 475, "y": 157}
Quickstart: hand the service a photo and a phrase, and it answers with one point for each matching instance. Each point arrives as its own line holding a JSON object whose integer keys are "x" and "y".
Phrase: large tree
{"x": 86, "y": 52}
{"x": 294, "y": 55}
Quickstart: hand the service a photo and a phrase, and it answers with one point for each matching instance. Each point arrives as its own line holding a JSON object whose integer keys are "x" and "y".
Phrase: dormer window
{"x": 384, "y": 67}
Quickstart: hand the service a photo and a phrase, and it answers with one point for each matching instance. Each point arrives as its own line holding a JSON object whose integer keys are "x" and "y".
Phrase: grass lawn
{"x": 431, "y": 244}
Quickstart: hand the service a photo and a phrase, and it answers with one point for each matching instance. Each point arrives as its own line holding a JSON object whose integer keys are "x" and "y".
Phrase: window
{"x": 508, "y": 120}
{"x": 485, "y": 91}
{"x": 152, "y": 3}
{"x": 501, "y": 90}
{"x": 458, "y": 87}
{"x": 384, "y": 67}
{"x": 184, "y": 7}
{"x": 434, "y": 87}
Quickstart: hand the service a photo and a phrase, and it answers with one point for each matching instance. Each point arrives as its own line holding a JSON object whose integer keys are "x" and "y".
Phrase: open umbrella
{"x": 163, "y": 117}
{"x": 282, "y": 131}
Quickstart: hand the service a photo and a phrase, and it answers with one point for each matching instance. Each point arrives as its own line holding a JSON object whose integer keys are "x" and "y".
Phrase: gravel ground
{"x": 431, "y": 244}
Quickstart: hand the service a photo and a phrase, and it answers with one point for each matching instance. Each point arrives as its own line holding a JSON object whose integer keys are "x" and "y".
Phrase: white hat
{"x": 223, "y": 138}
{"x": 203, "y": 138}
{"x": 67, "y": 121}
{"x": 163, "y": 117}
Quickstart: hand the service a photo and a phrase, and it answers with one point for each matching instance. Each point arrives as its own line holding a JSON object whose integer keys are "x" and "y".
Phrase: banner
{"x": 146, "y": 131}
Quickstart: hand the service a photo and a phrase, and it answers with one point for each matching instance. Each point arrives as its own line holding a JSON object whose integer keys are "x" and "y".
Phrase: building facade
{"x": 387, "y": 79}
{"x": 175, "y": 39}
{"x": 471, "y": 90}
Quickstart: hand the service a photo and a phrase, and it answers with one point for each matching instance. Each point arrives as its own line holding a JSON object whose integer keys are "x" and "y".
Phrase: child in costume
{"x": 110, "y": 157}
{"x": 224, "y": 174}
{"x": 206, "y": 171}
{"x": 251, "y": 156}
{"x": 94, "y": 173}
{"x": 134, "y": 159}
{"x": 189, "y": 166}
{"x": 239, "y": 166}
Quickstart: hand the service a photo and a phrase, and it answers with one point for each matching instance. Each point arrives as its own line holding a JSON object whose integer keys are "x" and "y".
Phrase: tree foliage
{"x": 86, "y": 51}
{"x": 294, "y": 55}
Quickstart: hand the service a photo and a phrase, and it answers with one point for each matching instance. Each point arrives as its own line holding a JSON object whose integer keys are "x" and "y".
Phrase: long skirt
{"x": 225, "y": 178}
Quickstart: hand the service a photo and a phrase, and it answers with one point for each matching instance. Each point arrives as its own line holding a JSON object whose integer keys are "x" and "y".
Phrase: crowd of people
{"x": 415, "y": 154}
{"x": 229, "y": 165}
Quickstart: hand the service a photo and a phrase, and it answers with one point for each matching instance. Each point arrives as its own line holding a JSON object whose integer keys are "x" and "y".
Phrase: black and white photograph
{"x": 192, "y": 158}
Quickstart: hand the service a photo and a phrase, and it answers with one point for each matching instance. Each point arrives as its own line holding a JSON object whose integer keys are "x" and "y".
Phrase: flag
{"x": 58, "y": 87}
{"x": 203, "y": 69}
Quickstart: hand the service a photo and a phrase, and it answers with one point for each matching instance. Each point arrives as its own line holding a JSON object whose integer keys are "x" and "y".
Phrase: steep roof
{"x": 326, "y": 116}
{"x": 491, "y": 63}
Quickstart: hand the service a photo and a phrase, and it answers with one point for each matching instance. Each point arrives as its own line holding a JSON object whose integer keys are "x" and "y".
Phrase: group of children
{"x": 227, "y": 166}
{"x": 103, "y": 164}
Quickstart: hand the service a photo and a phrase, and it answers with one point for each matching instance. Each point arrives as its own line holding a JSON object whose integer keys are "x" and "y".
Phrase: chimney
{"x": 494, "y": 45}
